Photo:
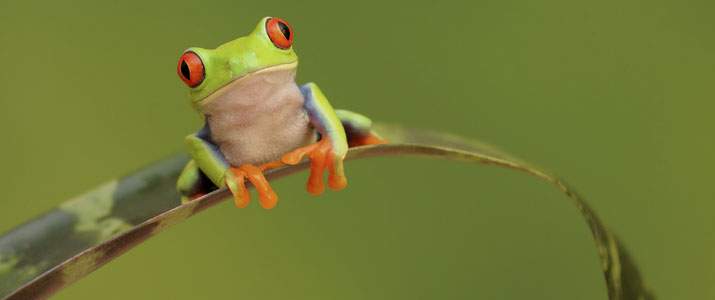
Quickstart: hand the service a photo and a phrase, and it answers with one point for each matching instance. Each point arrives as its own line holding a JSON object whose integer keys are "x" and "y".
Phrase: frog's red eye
{"x": 280, "y": 33}
{"x": 191, "y": 69}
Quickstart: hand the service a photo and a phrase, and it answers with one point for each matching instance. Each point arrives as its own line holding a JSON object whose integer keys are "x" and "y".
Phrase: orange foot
{"x": 370, "y": 139}
{"x": 235, "y": 180}
{"x": 322, "y": 157}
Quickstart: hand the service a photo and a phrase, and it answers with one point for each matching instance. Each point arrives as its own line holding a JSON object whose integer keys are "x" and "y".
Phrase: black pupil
{"x": 284, "y": 29}
{"x": 185, "y": 70}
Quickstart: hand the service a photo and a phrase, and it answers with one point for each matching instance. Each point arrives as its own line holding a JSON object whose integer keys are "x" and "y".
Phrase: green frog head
{"x": 210, "y": 72}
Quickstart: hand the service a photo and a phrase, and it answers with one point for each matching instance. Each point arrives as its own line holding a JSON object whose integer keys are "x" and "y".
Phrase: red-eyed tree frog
{"x": 257, "y": 118}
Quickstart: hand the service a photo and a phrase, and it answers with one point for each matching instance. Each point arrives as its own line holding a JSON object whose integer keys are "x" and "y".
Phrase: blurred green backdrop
{"x": 616, "y": 97}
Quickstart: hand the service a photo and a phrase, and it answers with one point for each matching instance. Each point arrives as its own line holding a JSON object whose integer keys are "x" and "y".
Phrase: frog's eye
{"x": 191, "y": 69}
{"x": 279, "y": 32}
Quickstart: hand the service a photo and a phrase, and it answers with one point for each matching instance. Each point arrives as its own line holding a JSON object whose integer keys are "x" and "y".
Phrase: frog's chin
{"x": 237, "y": 81}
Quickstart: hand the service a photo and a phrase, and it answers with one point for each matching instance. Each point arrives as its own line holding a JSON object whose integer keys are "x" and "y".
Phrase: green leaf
{"x": 43, "y": 256}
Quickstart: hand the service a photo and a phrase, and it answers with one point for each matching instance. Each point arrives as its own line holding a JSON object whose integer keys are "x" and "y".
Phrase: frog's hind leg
{"x": 193, "y": 183}
{"x": 358, "y": 129}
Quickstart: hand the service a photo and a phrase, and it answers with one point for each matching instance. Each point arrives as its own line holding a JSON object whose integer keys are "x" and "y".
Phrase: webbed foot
{"x": 235, "y": 180}
{"x": 322, "y": 157}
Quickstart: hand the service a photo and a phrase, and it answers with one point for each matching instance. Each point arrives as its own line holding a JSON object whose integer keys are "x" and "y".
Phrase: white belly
{"x": 259, "y": 118}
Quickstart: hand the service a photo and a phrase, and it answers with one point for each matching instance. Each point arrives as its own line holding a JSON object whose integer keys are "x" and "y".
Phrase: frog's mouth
{"x": 237, "y": 81}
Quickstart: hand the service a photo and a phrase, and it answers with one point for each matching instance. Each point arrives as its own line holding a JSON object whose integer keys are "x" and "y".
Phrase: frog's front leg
{"x": 192, "y": 183}
{"x": 329, "y": 152}
{"x": 209, "y": 159}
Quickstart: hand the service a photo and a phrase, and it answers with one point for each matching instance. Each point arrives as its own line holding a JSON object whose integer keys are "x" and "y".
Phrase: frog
{"x": 257, "y": 118}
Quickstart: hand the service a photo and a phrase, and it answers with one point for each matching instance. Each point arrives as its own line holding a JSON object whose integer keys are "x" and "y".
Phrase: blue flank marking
{"x": 312, "y": 109}
{"x": 205, "y": 135}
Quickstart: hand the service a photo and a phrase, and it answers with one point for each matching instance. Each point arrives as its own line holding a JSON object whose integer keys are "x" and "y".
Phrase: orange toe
{"x": 235, "y": 180}
{"x": 270, "y": 165}
{"x": 336, "y": 180}
{"x": 296, "y": 155}
{"x": 318, "y": 164}
{"x": 266, "y": 196}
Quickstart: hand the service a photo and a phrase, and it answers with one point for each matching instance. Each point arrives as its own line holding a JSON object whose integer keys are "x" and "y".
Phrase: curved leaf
{"x": 52, "y": 239}
{"x": 87, "y": 220}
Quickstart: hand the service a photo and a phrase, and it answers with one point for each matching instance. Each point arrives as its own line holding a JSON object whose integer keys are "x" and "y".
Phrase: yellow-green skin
{"x": 235, "y": 59}
{"x": 255, "y": 60}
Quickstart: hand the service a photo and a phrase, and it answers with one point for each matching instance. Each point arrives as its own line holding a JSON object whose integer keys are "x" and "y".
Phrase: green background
{"x": 614, "y": 96}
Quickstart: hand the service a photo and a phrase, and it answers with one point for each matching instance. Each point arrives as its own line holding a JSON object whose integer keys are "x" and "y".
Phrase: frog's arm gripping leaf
{"x": 207, "y": 161}
{"x": 324, "y": 118}
{"x": 329, "y": 152}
